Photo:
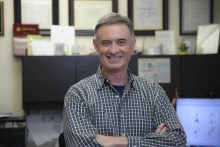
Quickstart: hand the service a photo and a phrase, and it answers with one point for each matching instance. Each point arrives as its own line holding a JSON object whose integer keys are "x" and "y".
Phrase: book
{"x": 5, "y": 114}
{"x": 30, "y": 39}
{"x": 20, "y": 32}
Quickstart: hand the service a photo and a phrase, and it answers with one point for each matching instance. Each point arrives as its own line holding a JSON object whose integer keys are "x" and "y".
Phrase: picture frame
{"x": 84, "y": 14}
{"x": 28, "y": 12}
{"x": 193, "y": 14}
{"x": 2, "y": 18}
{"x": 138, "y": 10}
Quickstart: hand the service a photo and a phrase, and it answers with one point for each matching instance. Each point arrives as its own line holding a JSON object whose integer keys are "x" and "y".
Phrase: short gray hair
{"x": 114, "y": 18}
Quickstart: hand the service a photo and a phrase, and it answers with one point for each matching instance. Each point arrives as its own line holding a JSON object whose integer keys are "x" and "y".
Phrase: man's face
{"x": 114, "y": 45}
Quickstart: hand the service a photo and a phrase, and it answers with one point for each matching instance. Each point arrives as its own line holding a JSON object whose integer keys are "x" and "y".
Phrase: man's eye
{"x": 122, "y": 42}
{"x": 105, "y": 43}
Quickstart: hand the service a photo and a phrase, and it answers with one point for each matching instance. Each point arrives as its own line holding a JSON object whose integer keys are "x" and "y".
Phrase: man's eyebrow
{"x": 105, "y": 41}
{"x": 122, "y": 39}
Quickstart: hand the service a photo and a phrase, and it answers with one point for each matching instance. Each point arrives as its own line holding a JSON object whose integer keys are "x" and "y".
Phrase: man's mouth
{"x": 114, "y": 58}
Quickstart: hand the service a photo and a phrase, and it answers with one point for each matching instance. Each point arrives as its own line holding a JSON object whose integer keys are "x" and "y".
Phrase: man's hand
{"x": 112, "y": 141}
{"x": 161, "y": 129}
{"x": 121, "y": 141}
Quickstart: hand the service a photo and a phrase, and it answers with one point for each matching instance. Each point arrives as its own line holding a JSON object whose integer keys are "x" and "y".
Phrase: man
{"x": 114, "y": 108}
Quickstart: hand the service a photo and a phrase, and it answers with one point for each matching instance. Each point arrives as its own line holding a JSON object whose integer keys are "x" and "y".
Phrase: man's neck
{"x": 117, "y": 78}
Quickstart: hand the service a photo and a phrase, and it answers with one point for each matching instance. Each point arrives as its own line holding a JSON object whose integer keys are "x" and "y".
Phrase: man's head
{"x": 114, "y": 42}
{"x": 114, "y": 18}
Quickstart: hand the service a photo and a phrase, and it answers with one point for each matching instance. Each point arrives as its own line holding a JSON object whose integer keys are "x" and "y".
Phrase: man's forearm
{"x": 112, "y": 141}
{"x": 121, "y": 141}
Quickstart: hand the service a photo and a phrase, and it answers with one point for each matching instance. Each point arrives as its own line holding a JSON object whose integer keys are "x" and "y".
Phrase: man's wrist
{"x": 121, "y": 141}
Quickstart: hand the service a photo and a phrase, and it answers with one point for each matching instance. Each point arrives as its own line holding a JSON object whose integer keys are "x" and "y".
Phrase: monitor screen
{"x": 200, "y": 118}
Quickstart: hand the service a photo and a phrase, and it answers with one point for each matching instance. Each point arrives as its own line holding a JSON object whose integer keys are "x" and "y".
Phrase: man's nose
{"x": 114, "y": 48}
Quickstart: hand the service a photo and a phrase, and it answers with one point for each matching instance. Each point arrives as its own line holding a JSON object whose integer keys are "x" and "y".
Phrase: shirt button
{"x": 117, "y": 96}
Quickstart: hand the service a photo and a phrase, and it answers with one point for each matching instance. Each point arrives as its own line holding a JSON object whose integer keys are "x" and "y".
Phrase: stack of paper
{"x": 63, "y": 35}
{"x": 166, "y": 39}
{"x": 20, "y": 32}
{"x": 208, "y": 39}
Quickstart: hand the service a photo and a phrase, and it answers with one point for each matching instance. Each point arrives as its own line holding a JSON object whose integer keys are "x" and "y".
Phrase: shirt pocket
{"x": 139, "y": 118}
{"x": 100, "y": 119}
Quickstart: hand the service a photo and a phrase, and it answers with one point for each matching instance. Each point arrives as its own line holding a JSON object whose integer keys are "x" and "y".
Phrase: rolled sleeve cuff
{"x": 134, "y": 142}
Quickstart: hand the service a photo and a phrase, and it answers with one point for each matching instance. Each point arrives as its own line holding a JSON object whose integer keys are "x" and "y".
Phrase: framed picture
{"x": 194, "y": 13}
{"x": 84, "y": 14}
{"x": 1, "y": 18}
{"x": 42, "y": 12}
{"x": 148, "y": 16}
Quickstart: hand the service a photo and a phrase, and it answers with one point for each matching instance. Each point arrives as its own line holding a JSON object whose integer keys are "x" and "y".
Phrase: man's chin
{"x": 114, "y": 67}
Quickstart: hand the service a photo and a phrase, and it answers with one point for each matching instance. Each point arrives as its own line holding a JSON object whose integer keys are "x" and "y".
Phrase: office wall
{"x": 10, "y": 67}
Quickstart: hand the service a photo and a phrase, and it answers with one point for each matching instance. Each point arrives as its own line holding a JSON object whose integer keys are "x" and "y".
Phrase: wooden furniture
{"x": 46, "y": 79}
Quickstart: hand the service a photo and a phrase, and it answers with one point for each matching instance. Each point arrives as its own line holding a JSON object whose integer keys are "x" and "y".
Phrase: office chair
{"x": 61, "y": 140}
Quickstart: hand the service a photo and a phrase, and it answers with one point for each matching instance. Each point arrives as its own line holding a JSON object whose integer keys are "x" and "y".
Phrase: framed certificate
{"x": 194, "y": 13}
{"x": 1, "y": 18}
{"x": 84, "y": 14}
{"x": 42, "y": 12}
{"x": 148, "y": 16}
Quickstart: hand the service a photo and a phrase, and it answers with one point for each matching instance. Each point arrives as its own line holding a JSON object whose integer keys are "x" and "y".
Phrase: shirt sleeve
{"x": 164, "y": 112}
{"x": 78, "y": 130}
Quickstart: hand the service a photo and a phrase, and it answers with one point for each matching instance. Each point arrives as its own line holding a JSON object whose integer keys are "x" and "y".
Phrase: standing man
{"x": 114, "y": 108}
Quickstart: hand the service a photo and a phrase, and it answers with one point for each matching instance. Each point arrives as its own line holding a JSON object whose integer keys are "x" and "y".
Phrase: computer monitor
{"x": 200, "y": 118}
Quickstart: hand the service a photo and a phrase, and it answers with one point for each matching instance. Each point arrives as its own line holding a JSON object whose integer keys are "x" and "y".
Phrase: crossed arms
{"x": 121, "y": 141}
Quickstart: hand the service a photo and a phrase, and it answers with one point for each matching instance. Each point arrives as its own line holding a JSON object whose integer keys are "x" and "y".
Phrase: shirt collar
{"x": 102, "y": 80}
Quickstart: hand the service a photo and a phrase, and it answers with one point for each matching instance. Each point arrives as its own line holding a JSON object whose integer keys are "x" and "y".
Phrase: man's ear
{"x": 95, "y": 45}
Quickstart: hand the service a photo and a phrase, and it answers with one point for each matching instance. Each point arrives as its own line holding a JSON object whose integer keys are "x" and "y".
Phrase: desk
{"x": 12, "y": 132}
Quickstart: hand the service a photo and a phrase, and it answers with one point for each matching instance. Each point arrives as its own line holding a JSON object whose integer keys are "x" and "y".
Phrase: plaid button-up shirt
{"x": 93, "y": 106}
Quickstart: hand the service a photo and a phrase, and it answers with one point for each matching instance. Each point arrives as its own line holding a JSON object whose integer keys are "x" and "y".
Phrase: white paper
{"x": 195, "y": 13}
{"x": 87, "y": 13}
{"x": 37, "y": 12}
{"x": 155, "y": 69}
{"x": 43, "y": 48}
{"x": 44, "y": 126}
{"x": 5, "y": 114}
{"x": 139, "y": 44}
{"x": 148, "y": 13}
{"x": 65, "y": 35}
{"x": 166, "y": 38}
{"x": 208, "y": 39}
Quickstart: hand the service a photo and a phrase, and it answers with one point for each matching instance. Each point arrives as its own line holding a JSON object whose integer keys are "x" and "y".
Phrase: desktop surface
{"x": 200, "y": 118}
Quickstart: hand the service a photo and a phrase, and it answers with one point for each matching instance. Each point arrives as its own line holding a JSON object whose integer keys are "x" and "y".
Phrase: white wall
{"x": 10, "y": 67}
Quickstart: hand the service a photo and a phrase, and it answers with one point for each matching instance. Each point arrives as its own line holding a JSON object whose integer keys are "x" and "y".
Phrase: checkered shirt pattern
{"x": 92, "y": 106}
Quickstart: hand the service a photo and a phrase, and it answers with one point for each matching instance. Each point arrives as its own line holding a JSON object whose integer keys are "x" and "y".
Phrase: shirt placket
{"x": 122, "y": 113}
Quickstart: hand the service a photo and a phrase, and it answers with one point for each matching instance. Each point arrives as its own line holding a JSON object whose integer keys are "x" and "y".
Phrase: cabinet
{"x": 46, "y": 79}
{"x": 200, "y": 76}
{"x": 12, "y": 132}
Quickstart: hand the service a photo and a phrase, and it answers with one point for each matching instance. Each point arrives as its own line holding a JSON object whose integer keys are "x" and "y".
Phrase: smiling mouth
{"x": 114, "y": 58}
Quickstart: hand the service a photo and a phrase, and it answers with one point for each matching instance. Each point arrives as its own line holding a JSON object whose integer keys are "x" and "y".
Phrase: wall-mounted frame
{"x": 42, "y": 12}
{"x": 148, "y": 16}
{"x": 194, "y": 13}
{"x": 1, "y": 18}
{"x": 84, "y": 14}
